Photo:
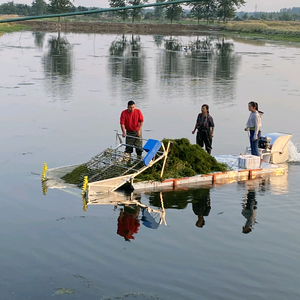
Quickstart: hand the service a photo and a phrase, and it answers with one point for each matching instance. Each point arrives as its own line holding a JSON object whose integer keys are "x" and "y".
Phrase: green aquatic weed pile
{"x": 77, "y": 175}
{"x": 184, "y": 160}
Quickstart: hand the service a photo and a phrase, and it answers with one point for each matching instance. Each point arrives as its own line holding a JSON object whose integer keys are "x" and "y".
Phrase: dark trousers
{"x": 203, "y": 138}
{"x": 134, "y": 142}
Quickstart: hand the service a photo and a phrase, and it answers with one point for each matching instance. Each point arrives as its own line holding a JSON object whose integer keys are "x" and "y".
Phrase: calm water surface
{"x": 61, "y": 97}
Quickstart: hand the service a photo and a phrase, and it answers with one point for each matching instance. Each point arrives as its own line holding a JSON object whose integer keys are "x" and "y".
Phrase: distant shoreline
{"x": 249, "y": 30}
{"x": 122, "y": 28}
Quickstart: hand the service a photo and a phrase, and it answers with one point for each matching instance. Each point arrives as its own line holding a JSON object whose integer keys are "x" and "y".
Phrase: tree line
{"x": 200, "y": 10}
{"x": 291, "y": 14}
{"x": 37, "y": 7}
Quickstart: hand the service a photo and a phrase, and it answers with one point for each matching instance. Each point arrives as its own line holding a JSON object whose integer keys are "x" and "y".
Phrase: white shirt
{"x": 254, "y": 121}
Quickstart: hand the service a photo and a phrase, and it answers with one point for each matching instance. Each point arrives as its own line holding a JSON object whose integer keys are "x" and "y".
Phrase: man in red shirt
{"x": 131, "y": 122}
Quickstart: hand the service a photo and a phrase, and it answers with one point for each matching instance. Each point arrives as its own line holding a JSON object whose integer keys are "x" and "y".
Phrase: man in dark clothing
{"x": 205, "y": 125}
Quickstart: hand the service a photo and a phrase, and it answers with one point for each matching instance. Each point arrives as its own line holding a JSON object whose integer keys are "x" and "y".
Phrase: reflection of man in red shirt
{"x": 128, "y": 223}
{"x": 131, "y": 122}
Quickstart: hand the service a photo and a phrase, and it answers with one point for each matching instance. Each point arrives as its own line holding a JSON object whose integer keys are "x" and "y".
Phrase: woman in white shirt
{"x": 253, "y": 125}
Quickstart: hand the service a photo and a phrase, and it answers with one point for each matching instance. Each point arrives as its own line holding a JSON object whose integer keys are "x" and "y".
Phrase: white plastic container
{"x": 249, "y": 162}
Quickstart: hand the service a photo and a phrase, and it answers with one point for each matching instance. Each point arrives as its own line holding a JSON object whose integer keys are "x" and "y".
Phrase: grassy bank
{"x": 271, "y": 30}
{"x": 10, "y": 27}
{"x": 6, "y": 28}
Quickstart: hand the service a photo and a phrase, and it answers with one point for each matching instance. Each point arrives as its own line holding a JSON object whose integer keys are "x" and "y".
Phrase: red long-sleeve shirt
{"x": 131, "y": 120}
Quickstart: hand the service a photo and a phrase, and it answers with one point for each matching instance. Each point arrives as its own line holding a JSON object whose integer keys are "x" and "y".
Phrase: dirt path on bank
{"x": 100, "y": 27}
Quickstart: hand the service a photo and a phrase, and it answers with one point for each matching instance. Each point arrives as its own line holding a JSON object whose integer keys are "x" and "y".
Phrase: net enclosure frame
{"x": 111, "y": 168}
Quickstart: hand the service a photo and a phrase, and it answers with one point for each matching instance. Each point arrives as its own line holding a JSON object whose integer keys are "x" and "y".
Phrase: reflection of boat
{"x": 151, "y": 217}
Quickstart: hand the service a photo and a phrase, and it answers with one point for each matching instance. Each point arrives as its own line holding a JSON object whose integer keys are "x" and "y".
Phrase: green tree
{"x": 263, "y": 16}
{"x": 136, "y": 12}
{"x": 81, "y": 8}
{"x": 245, "y": 16}
{"x": 227, "y": 8}
{"x": 38, "y": 7}
{"x": 159, "y": 11}
{"x": 123, "y": 14}
{"x": 8, "y": 8}
{"x": 23, "y": 9}
{"x": 203, "y": 9}
{"x": 285, "y": 16}
{"x": 149, "y": 15}
{"x": 270, "y": 16}
{"x": 173, "y": 12}
{"x": 295, "y": 16}
{"x": 95, "y": 15}
{"x": 60, "y": 6}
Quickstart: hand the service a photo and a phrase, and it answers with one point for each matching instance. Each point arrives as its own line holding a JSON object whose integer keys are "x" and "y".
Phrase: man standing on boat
{"x": 131, "y": 122}
{"x": 205, "y": 125}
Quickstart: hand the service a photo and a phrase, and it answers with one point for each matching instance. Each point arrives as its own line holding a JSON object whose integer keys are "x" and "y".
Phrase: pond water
{"x": 61, "y": 98}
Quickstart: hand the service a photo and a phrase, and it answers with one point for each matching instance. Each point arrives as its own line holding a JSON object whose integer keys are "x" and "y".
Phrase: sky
{"x": 262, "y": 5}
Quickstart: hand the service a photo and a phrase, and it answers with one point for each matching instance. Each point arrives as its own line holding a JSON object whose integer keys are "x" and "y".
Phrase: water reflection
{"x": 128, "y": 221}
{"x": 252, "y": 188}
{"x": 127, "y": 67}
{"x": 179, "y": 199}
{"x": 172, "y": 44}
{"x": 201, "y": 205}
{"x": 117, "y": 48}
{"x": 134, "y": 66}
{"x": 225, "y": 63}
{"x": 201, "y": 63}
{"x": 132, "y": 212}
{"x": 254, "y": 42}
{"x": 207, "y": 61}
{"x": 225, "y": 74}
{"x": 126, "y": 58}
{"x": 39, "y": 39}
{"x": 172, "y": 199}
{"x": 58, "y": 67}
{"x": 249, "y": 210}
{"x": 169, "y": 64}
{"x": 158, "y": 40}
{"x": 200, "y": 199}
